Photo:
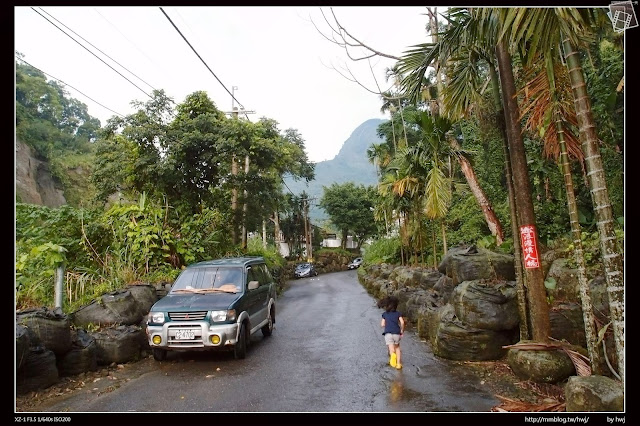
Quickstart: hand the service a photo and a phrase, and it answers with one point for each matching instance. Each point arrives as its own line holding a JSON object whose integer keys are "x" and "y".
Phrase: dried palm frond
{"x": 580, "y": 362}
{"x": 544, "y": 391}
{"x": 512, "y": 405}
{"x": 541, "y": 110}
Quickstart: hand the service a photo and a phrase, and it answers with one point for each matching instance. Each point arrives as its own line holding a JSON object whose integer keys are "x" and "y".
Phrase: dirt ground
{"x": 516, "y": 395}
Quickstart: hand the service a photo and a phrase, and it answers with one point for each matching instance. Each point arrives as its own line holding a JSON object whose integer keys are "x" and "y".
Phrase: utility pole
{"x": 308, "y": 228}
{"x": 234, "y": 172}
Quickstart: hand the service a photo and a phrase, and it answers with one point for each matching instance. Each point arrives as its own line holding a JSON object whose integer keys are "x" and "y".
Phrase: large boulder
{"x": 599, "y": 296}
{"x": 46, "y": 327}
{"x": 39, "y": 370}
{"x": 429, "y": 278}
{"x": 444, "y": 287}
{"x": 541, "y": 365}
{"x": 567, "y": 323}
{"x": 566, "y": 279}
{"x": 593, "y": 394}
{"x": 118, "y": 344}
{"x": 114, "y": 308}
{"x": 451, "y": 338}
{"x": 406, "y": 276}
{"x": 427, "y": 321}
{"x": 476, "y": 263}
{"x": 490, "y": 305}
{"x": 82, "y": 357}
{"x": 417, "y": 300}
{"x": 22, "y": 345}
{"x": 145, "y": 296}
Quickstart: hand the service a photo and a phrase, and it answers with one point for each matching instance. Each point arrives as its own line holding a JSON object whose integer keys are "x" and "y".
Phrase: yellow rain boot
{"x": 392, "y": 360}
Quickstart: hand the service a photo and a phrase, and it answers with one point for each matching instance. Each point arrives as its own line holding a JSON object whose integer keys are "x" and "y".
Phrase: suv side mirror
{"x": 253, "y": 285}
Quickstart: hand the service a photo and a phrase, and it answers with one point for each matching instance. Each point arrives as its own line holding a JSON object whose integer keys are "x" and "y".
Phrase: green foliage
{"x": 271, "y": 256}
{"x": 488, "y": 242}
{"x": 591, "y": 249}
{"x": 161, "y": 274}
{"x": 274, "y": 260}
{"x": 65, "y": 226}
{"x": 383, "y": 250}
{"x": 140, "y": 231}
{"x": 35, "y": 273}
{"x": 106, "y": 250}
{"x": 350, "y": 208}
{"x": 336, "y": 250}
{"x": 46, "y": 118}
{"x": 550, "y": 283}
{"x": 552, "y": 219}
{"x": 201, "y": 237}
{"x": 465, "y": 221}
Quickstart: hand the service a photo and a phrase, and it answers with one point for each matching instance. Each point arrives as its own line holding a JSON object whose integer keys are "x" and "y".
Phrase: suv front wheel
{"x": 240, "y": 349}
{"x": 159, "y": 354}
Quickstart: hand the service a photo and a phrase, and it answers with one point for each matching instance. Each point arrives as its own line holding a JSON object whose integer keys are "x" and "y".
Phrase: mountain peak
{"x": 350, "y": 165}
{"x": 360, "y": 140}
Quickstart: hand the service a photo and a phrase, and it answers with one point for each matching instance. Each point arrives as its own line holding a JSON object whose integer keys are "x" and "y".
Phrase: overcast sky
{"x": 282, "y": 66}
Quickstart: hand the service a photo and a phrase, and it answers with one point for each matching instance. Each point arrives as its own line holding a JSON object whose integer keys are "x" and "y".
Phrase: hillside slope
{"x": 350, "y": 165}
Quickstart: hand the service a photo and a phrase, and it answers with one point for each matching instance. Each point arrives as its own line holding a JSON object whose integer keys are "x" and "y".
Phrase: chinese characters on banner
{"x": 529, "y": 249}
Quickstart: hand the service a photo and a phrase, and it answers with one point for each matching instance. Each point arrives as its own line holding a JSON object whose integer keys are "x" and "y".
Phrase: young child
{"x": 393, "y": 324}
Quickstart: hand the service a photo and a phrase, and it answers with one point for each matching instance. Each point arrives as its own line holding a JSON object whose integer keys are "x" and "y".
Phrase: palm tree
{"x": 412, "y": 69}
{"x": 543, "y": 29}
{"x": 550, "y": 112}
{"x": 538, "y": 307}
{"x": 466, "y": 56}
{"x": 612, "y": 260}
{"x": 421, "y": 169}
{"x": 480, "y": 34}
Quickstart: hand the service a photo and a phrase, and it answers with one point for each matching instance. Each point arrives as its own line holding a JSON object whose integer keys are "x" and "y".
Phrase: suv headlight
{"x": 220, "y": 316}
{"x": 156, "y": 317}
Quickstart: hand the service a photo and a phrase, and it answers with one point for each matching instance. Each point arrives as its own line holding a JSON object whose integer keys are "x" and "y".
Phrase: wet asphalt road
{"x": 326, "y": 354}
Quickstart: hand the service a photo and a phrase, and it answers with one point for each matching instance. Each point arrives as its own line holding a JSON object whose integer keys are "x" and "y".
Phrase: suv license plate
{"x": 185, "y": 335}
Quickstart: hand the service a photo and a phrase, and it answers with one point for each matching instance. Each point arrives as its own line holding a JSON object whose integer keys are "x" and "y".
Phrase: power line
{"x": 92, "y": 53}
{"x": 126, "y": 38}
{"x": 66, "y": 84}
{"x": 95, "y": 47}
{"x": 199, "y": 57}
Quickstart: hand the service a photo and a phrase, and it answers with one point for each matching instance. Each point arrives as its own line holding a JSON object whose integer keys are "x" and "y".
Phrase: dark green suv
{"x": 214, "y": 305}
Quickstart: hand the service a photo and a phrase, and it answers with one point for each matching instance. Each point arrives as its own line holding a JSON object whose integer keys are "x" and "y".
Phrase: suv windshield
{"x": 208, "y": 280}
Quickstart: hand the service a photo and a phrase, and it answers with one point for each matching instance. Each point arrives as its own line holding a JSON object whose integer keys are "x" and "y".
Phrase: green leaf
{"x": 550, "y": 283}
{"x": 611, "y": 101}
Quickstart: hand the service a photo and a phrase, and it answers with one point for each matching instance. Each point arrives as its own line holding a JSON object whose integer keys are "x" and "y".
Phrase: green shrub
{"x": 384, "y": 250}
{"x": 337, "y": 250}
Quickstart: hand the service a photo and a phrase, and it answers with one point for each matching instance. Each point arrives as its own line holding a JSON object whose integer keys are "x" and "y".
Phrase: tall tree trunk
{"x": 276, "y": 231}
{"x": 536, "y": 293}
{"x": 487, "y": 210}
{"x": 244, "y": 205}
{"x": 433, "y": 26}
{"x": 611, "y": 258}
{"x": 264, "y": 234}
{"x": 435, "y": 250}
{"x": 485, "y": 205}
{"x": 234, "y": 202}
{"x": 515, "y": 222}
{"x": 444, "y": 238}
{"x": 400, "y": 228}
{"x": 589, "y": 319}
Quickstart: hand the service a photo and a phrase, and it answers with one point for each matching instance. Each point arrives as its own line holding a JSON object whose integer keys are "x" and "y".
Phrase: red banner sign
{"x": 528, "y": 244}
